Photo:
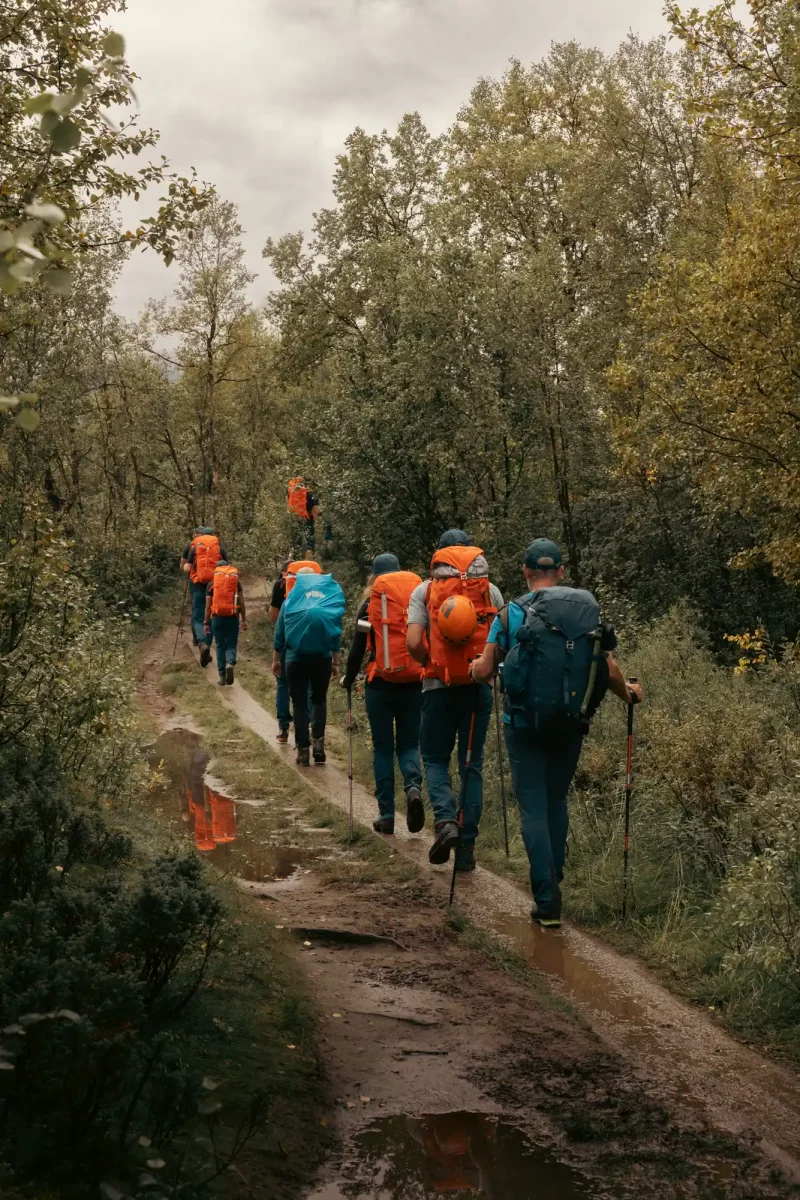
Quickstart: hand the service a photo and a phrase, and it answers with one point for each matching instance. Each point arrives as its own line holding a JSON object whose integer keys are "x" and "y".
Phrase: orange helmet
{"x": 457, "y": 619}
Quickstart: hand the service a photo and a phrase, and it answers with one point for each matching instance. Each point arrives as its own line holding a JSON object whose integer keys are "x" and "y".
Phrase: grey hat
{"x": 454, "y": 537}
{"x": 384, "y": 564}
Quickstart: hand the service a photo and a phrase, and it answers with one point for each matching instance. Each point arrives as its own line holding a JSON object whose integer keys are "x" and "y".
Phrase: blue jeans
{"x": 283, "y": 710}
{"x": 446, "y": 716}
{"x": 542, "y": 767}
{"x": 198, "y": 595}
{"x": 394, "y": 716}
{"x": 226, "y": 635}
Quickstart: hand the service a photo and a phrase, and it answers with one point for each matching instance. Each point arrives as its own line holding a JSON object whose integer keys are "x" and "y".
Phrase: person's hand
{"x": 343, "y": 683}
{"x": 207, "y": 628}
{"x": 635, "y": 692}
{"x": 244, "y": 626}
{"x": 276, "y": 668}
{"x": 334, "y": 670}
{"x": 187, "y": 568}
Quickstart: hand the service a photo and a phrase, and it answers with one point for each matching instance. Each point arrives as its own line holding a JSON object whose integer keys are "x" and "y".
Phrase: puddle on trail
{"x": 462, "y": 1154}
{"x": 223, "y": 830}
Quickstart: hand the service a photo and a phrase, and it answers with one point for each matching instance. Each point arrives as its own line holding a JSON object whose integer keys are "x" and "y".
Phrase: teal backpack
{"x": 556, "y": 674}
{"x": 312, "y": 615}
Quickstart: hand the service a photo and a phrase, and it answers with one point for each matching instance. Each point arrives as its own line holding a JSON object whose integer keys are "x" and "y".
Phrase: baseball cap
{"x": 385, "y": 563}
{"x": 454, "y": 537}
{"x": 542, "y": 555}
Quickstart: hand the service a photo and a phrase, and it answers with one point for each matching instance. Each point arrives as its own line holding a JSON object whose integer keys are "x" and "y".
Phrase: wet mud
{"x": 462, "y": 1154}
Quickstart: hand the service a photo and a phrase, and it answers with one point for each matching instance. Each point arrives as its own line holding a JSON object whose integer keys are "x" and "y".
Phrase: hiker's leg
{"x": 282, "y": 710}
{"x": 198, "y": 596}
{"x": 437, "y": 740}
{"x": 528, "y": 758}
{"x": 319, "y": 674}
{"x": 481, "y": 705}
{"x": 380, "y": 711}
{"x": 218, "y": 634}
{"x": 231, "y": 639}
{"x": 562, "y": 762}
{"x": 297, "y": 675}
{"x": 407, "y": 712}
{"x": 310, "y": 533}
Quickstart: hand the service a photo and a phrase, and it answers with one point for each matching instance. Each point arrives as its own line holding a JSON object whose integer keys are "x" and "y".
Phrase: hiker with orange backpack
{"x": 224, "y": 610}
{"x": 393, "y": 691}
{"x": 448, "y": 622}
{"x": 280, "y": 591}
{"x": 200, "y": 557}
{"x": 305, "y": 505}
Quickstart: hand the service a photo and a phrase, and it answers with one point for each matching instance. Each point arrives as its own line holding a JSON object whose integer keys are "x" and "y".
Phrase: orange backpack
{"x": 448, "y": 662}
{"x": 388, "y": 616}
{"x": 206, "y": 556}
{"x": 294, "y": 567}
{"x": 225, "y": 600}
{"x": 298, "y": 497}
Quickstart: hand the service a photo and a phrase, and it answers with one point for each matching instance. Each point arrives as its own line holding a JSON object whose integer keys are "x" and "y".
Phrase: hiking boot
{"x": 205, "y": 656}
{"x": 446, "y": 840}
{"x": 465, "y": 858}
{"x": 548, "y": 918}
{"x": 229, "y": 673}
{"x": 283, "y": 735}
{"x": 303, "y": 756}
{"x": 319, "y": 751}
{"x": 222, "y": 680}
{"x": 384, "y": 825}
{"x": 415, "y": 810}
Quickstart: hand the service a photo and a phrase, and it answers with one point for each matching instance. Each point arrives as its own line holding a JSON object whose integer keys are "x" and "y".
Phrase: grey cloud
{"x": 259, "y": 95}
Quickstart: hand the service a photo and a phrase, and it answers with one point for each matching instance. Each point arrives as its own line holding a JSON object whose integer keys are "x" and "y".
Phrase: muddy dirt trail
{"x": 446, "y": 1073}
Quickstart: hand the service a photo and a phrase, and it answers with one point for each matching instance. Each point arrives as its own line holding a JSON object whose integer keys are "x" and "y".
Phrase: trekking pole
{"x": 350, "y": 753}
{"x": 628, "y": 791}
{"x": 500, "y": 765}
{"x": 180, "y": 622}
{"x": 462, "y": 799}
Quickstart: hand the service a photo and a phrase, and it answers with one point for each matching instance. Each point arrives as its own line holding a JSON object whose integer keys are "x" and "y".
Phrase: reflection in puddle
{"x": 461, "y": 1154}
{"x": 221, "y": 828}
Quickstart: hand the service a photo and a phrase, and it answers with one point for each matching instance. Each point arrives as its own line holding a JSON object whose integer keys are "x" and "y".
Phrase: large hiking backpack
{"x": 294, "y": 567}
{"x": 206, "y": 556}
{"x": 552, "y": 676}
{"x": 388, "y": 617}
{"x": 297, "y": 497}
{"x": 312, "y": 615}
{"x": 449, "y": 662}
{"x": 225, "y": 600}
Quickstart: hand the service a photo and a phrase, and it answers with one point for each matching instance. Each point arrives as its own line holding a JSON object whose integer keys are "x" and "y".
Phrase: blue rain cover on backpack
{"x": 312, "y": 615}
{"x": 548, "y": 671}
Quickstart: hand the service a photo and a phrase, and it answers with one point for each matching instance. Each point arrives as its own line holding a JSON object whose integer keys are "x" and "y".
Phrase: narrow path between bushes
{"x": 493, "y": 1046}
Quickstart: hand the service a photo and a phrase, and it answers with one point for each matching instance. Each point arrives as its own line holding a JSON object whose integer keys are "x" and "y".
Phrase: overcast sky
{"x": 259, "y": 95}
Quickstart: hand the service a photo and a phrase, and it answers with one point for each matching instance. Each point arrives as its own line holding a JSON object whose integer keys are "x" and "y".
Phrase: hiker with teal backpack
{"x": 556, "y": 669}
{"x": 307, "y": 638}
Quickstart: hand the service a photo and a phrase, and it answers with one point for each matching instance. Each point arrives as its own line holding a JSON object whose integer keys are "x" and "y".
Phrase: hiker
{"x": 224, "y": 609}
{"x": 305, "y": 505}
{"x": 448, "y": 622}
{"x": 306, "y": 646}
{"x": 282, "y": 586}
{"x": 199, "y": 559}
{"x": 557, "y": 667}
{"x": 393, "y": 691}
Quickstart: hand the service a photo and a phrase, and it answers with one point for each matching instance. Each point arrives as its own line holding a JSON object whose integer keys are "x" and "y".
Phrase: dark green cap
{"x": 542, "y": 555}
{"x": 454, "y": 537}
